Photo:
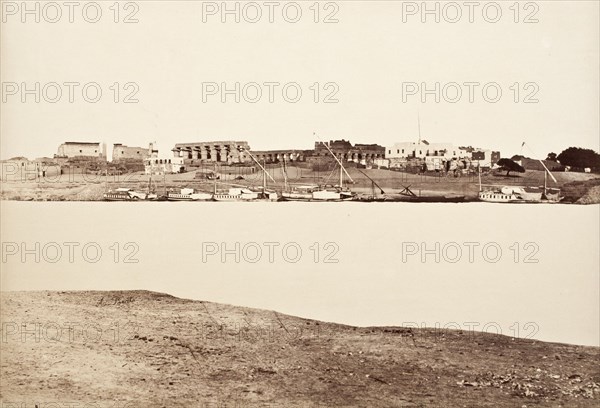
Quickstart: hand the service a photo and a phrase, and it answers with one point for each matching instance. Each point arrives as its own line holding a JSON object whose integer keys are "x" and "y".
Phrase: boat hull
{"x": 321, "y": 195}
{"x": 517, "y": 195}
{"x": 190, "y": 197}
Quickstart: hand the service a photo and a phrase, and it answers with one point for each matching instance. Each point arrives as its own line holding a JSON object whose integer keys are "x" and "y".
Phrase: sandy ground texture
{"x": 138, "y": 348}
{"x": 575, "y": 187}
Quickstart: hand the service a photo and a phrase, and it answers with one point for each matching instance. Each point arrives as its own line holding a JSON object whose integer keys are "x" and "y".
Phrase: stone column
{"x": 225, "y": 150}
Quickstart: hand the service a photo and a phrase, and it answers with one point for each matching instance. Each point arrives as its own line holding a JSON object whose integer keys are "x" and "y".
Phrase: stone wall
{"x": 122, "y": 152}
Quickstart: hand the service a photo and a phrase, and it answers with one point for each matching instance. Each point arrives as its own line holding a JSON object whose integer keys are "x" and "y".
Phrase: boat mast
{"x": 419, "y": 125}
{"x": 373, "y": 183}
{"x": 259, "y": 165}
{"x": 546, "y": 170}
{"x": 284, "y": 175}
{"x": 215, "y": 178}
{"x": 479, "y": 174}
{"x": 264, "y": 179}
{"x": 335, "y": 157}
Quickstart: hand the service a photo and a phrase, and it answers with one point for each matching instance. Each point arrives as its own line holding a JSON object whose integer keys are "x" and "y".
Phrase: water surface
{"x": 370, "y": 284}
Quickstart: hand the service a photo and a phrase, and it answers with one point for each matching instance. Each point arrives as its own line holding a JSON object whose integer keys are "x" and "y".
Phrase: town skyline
{"x": 165, "y": 149}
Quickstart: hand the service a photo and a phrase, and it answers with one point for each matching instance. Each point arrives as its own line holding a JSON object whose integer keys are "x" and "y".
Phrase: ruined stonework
{"x": 195, "y": 154}
{"x": 346, "y": 152}
{"x": 122, "y": 152}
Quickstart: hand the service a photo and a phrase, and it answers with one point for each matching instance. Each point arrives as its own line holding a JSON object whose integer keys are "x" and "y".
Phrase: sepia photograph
{"x": 304, "y": 204}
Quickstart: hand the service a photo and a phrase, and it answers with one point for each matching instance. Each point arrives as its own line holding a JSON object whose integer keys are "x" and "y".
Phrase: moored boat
{"x": 236, "y": 194}
{"x": 188, "y": 194}
{"x": 322, "y": 192}
{"x": 124, "y": 194}
{"x": 298, "y": 193}
{"x": 516, "y": 194}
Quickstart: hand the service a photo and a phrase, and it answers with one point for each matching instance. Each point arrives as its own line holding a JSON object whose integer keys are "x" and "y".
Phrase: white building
{"x": 423, "y": 149}
{"x": 156, "y": 165}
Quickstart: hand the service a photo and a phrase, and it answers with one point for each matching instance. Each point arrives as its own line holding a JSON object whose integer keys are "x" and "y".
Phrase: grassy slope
{"x": 190, "y": 353}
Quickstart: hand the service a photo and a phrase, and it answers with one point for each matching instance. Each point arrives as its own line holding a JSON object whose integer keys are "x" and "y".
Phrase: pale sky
{"x": 369, "y": 54}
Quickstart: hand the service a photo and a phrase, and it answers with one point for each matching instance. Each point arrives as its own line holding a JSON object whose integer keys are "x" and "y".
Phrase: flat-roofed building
{"x": 155, "y": 164}
{"x": 70, "y": 150}
{"x": 423, "y": 149}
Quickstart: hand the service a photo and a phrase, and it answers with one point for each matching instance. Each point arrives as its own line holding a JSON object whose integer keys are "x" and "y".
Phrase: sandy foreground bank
{"x": 139, "y": 348}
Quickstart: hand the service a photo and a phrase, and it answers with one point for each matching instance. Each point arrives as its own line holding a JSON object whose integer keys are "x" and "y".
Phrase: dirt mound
{"x": 155, "y": 350}
{"x": 591, "y": 197}
{"x": 582, "y": 191}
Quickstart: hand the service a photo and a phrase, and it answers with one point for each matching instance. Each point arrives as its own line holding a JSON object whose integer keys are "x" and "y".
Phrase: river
{"x": 525, "y": 270}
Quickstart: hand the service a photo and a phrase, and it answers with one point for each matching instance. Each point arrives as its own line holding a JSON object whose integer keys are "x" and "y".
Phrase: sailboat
{"x": 323, "y": 192}
{"x": 242, "y": 193}
{"x": 123, "y": 194}
{"x": 236, "y": 194}
{"x": 406, "y": 195}
{"x": 151, "y": 195}
{"x": 517, "y": 194}
{"x": 295, "y": 192}
{"x": 373, "y": 197}
{"x": 189, "y": 194}
{"x": 127, "y": 193}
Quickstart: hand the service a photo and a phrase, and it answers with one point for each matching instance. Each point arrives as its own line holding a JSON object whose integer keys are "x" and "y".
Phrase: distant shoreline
{"x": 577, "y": 188}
